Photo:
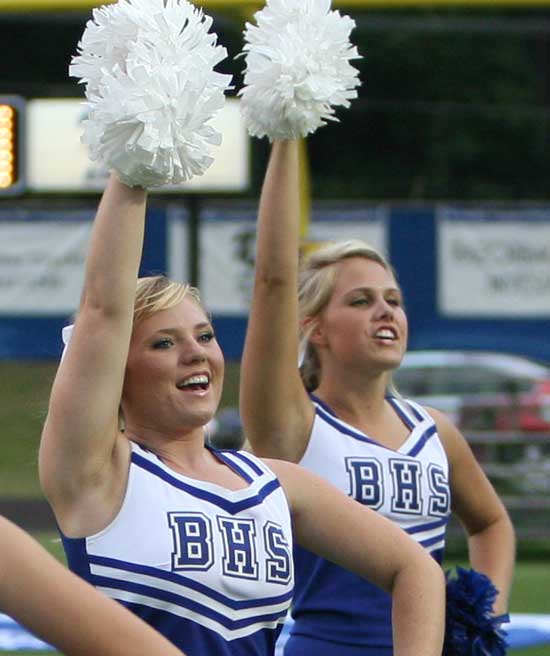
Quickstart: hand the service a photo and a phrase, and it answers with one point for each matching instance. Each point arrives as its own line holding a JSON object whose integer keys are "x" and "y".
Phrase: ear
{"x": 313, "y": 328}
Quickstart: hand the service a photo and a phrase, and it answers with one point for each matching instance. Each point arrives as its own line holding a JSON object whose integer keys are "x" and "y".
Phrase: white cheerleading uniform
{"x": 408, "y": 485}
{"x": 209, "y": 568}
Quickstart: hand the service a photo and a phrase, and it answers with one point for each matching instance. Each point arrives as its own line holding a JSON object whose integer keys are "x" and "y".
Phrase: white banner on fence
{"x": 228, "y": 251}
{"x": 42, "y": 266}
{"x": 494, "y": 263}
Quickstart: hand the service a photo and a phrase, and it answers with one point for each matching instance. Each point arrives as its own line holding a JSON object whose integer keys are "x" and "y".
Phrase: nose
{"x": 383, "y": 309}
{"x": 192, "y": 352}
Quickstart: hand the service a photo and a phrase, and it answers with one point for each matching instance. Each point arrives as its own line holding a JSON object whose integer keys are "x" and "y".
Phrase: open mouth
{"x": 198, "y": 383}
{"x": 386, "y": 334}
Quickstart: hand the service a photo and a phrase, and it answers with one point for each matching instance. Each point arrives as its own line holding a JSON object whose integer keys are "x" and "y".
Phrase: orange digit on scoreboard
{"x": 12, "y": 110}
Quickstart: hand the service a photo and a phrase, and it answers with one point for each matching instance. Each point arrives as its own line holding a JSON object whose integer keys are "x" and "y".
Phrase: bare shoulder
{"x": 452, "y": 439}
{"x": 292, "y": 477}
{"x": 302, "y": 487}
{"x": 283, "y": 469}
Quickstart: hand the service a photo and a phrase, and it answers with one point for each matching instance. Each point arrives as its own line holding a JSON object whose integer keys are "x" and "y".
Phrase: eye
{"x": 394, "y": 301}
{"x": 363, "y": 300}
{"x": 207, "y": 336}
{"x": 164, "y": 343}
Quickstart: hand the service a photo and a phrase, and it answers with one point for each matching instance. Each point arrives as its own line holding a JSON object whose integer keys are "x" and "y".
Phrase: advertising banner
{"x": 42, "y": 263}
{"x": 228, "y": 242}
{"x": 494, "y": 262}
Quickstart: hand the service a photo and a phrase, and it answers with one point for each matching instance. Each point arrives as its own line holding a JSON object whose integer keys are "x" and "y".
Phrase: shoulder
{"x": 455, "y": 444}
{"x": 298, "y": 483}
{"x": 410, "y": 411}
{"x": 283, "y": 470}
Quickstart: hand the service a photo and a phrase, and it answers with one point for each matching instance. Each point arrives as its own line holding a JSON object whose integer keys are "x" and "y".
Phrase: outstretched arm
{"x": 275, "y": 408}
{"x": 82, "y": 460}
{"x": 491, "y": 538}
{"x": 37, "y": 591}
{"x": 336, "y": 527}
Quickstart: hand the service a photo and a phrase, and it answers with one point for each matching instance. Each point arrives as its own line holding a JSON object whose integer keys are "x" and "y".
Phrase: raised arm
{"x": 82, "y": 458}
{"x": 491, "y": 538}
{"x": 275, "y": 408}
{"x": 56, "y": 605}
{"x": 357, "y": 538}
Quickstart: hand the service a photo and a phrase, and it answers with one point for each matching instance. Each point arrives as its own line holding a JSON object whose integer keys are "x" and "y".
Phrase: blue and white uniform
{"x": 334, "y": 608}
{"x": 209, "y": 568}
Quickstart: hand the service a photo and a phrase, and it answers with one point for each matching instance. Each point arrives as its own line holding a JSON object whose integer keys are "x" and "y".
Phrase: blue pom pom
{"x": 471, "y": 628}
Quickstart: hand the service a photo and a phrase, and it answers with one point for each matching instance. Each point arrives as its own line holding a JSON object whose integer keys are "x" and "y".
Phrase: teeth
{"x": 195, "y": 380}
{"x": 385, "y": 334}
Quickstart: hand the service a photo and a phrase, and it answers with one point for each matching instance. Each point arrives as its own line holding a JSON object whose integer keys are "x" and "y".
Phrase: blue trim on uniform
{"x": 224, "y": 457}
{"x": 437, "y": 554}
{"x": 415, "y": 411}
{"x": 253, "y": 465}
{"x": 430, "y": 541}
{"x": 400, "y": 412}
{"x": 194, "y": 638}
{"x": 427, "y": 527}
{"x": 326, "y": 407}
{"x": 184, "y": 602}
{"x": 421, "y": 443}
{"x": 327, "y": 415}
{"x": 76, "y": 553}
{"x": 419, "y": 411}
{"x": 346, "y": 431}
{"x": 232, "y": 507}
{"x": 185, "y": 582}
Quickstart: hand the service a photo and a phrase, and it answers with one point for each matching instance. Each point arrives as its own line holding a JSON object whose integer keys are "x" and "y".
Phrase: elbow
{"x": 419, "y": 578}
{"x": 498, "y": 528}
{"x": 431, "y": 569}
{"x": 273, "y": 280}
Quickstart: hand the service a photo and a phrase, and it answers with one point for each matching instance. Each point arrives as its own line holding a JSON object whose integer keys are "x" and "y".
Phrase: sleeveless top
{"x": 408, "y": 485}
{"x": 210, "y": 568}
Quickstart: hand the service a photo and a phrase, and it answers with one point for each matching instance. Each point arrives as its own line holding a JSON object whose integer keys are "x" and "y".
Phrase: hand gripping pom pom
{"x": 297, "y": 68}
{"x": 471, "y": 628}
{"x": 151, "y": 90}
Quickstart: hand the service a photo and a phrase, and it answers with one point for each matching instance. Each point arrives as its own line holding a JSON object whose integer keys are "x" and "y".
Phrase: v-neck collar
{"x": 416, "y": 429}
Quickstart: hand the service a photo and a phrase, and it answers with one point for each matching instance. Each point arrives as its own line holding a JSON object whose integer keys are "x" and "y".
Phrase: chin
{"x": 200, "y": 419}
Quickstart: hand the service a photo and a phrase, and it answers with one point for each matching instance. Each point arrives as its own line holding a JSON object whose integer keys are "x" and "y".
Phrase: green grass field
{"x": 25, "y": 389}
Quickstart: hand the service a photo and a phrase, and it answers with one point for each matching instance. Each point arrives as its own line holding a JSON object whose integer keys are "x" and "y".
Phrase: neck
{"x": 354, "y": 403}
{"x": 181, "y": 447}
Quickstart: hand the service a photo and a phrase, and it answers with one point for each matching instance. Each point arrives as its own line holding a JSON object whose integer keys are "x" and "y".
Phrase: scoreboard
{"x": 12, "y": 151}
{"x": 41, "y": 150}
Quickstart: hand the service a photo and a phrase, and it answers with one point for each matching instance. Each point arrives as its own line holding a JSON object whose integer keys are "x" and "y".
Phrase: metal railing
{"x": 518, "y": 465}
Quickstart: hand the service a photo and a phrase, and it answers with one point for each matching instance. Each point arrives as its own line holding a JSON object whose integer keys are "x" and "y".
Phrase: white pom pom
{"x": 151, "y": 89}
{"x": 297, "y": 68}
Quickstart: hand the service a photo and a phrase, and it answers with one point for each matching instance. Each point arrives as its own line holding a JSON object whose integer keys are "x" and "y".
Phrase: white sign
{"x": 58, "y": 161}
{"x": 228, "y": 244}
{"x": 494, "y": 263}
{"x": 339, "y": 223}
{"x": 42, "y": 266}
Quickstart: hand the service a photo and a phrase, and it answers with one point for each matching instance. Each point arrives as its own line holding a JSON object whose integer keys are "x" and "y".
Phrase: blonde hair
{"x": 316, "y": 284}
{"x": 156, "y": 293}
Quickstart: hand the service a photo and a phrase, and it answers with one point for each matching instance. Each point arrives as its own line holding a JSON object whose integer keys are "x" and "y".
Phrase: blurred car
{"x": 225, "y": 430}
{"x": 479, "y": 390}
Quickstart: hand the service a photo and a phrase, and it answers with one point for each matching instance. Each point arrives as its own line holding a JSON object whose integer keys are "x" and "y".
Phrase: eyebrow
{"x": 175, "y": 330}
{"x": 371, "y": 289}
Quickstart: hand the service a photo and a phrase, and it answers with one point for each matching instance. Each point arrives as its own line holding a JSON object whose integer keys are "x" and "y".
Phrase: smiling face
{"x": 364, "y": 325}
{"x": 174, "y": 373}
